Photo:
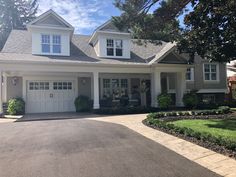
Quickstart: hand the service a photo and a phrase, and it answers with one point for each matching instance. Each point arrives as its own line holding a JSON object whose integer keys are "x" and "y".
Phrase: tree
{"x": 159, "y": 25}
{"x": 210, "y": 26}
{"x": 14, "y": 14}
{"x": 211, "y": 30}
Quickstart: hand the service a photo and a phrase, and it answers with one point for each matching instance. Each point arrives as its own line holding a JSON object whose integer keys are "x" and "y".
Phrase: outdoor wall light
{"x": 83, "y": 81}
{"x": 14, "y": 80}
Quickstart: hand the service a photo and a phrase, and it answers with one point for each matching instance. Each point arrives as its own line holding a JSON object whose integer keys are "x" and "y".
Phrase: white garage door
{"x": 50, "y": 96}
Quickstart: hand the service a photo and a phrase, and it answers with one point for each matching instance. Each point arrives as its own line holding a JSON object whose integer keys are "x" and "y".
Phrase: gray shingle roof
{"x": 18, "y": 47}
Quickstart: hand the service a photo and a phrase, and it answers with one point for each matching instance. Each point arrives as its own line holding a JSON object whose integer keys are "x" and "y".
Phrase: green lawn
{"x": 225, "y": 128}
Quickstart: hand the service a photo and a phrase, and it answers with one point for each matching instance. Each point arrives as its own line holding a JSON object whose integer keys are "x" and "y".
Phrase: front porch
{"x": 55, "y": 91}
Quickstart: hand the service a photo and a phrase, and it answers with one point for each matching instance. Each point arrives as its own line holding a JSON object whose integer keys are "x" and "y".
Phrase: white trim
{"x": 212, "y": 91}
{"x": 168, "y": 48}
{"x": 217, "y": 73}
{"x": 53, "y": 13}
{"x": 48, "y": 78}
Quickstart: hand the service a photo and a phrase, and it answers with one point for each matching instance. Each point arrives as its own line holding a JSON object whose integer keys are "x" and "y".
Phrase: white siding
{"x": 36, "y": 41}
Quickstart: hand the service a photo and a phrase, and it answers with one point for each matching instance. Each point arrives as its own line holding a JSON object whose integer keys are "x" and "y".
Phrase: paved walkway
{"x": 215, "y": 162}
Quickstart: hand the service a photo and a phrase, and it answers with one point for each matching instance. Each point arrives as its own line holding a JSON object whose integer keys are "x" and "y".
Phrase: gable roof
{"x": 50, "y": 14}
{"x": 107, "y": 27}
{"x": 18, "y": 48}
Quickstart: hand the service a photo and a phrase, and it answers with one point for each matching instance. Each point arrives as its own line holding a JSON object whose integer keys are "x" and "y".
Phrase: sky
{"x": 84, "y": 15}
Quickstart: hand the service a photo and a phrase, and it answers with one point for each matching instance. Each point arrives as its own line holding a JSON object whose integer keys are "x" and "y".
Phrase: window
{"x": 106, "y": 88}
{"x": 110, "y": 47}
{"x": 39, "y": 86}
{"x": 210, "y": 72}
{"x": 45, "y": 41}
{"x": 119, "y": 47}
{"x": 56, "y": 46}
{"x": 208, "y": 98}
{"x": 124, "y": 87}
{"x": 62, "y": 85}
{"x": 114, "y": 50}
{"x": 115, "y": 88}
{"x": 190, "y": 74}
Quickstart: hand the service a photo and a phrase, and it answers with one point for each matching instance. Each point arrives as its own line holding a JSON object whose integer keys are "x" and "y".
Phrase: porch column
{"x": 95, "y": 91}
{"x": 156, "y": 87}
{"x": 181, "y": 88}
{"x": 1, "y": 110}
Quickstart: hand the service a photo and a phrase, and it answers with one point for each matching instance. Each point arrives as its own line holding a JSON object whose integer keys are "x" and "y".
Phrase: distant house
{"x": 49, "y": 66}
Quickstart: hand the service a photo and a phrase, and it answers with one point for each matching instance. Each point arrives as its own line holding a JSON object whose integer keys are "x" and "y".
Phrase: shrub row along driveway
{"x": 86, "y": 148}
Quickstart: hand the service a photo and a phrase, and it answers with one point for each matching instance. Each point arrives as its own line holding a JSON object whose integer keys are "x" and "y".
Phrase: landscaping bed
{"x": 216, "y": 132}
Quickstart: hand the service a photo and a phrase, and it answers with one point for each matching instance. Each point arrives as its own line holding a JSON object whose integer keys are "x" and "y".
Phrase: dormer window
{"x": 48, "y": 47}
{"x": 56, "y": 46}
{"x": 114, "y": 47}
{"x": 45, "y": 43}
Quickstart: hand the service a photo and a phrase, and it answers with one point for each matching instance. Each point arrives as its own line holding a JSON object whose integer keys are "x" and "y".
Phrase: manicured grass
{"x": 223, "y": 128}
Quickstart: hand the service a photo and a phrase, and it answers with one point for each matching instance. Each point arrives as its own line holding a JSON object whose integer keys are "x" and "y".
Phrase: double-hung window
{"x": 119, "y": 47}
{"x": 114, "y": 47}
{"x": 110, "y": 47}
{"x": 190, "y": 74}
{"x": 56, "y": 44}
{"x": 210, "y": 72}
{"x": 45, "y": 41}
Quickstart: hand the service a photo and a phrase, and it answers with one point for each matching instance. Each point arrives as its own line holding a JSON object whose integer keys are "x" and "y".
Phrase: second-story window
{"x": 119, "y": 47}
{"x": 56, "y": 45}
{"x": 45, "y": 40}
{"x": 114, "y": 47}
{"x": 110, "y": 47}
{"x": 210, "y": 72}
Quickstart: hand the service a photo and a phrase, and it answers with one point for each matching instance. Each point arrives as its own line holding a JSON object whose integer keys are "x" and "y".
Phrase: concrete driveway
{"x": 86, "y": 148}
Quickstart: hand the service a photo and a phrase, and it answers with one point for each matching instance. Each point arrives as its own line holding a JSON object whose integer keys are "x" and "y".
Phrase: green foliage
{"x": 14, "y": 14}
{"x": 124, "y": 110}
{"x": 211, "y": 30}
{"x": 16, "y": 106}
{"x": 190, "y": 100}
{"x": 156, "y": 25}
{"x": 82, "y": 104}
{"x": 204, "y": 136}
{"x": 164, "y": 100}
{"x": 221, "y": 110}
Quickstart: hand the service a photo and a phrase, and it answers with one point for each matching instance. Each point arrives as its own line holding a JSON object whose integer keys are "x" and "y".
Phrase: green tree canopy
{"x": 210, "y": 26}
{"x": 14, "y": 14}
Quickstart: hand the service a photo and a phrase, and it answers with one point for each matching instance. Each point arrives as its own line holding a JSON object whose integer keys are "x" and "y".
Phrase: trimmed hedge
{"x": 220, "y": 110}
{"x": 203, "y": 136}
{"x": 164, "y": 100}
{"x": 124, "y": 110}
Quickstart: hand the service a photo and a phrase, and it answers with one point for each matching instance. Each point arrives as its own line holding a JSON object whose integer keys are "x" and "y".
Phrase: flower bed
{"x": 164, "y": 122}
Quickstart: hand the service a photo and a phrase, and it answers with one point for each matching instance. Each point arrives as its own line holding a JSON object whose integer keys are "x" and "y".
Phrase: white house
{"x": 49, "y": 66}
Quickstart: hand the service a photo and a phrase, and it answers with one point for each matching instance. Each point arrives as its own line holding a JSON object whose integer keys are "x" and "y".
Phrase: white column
{"x": 155, "y": 86}
{"x": 180, "y": 88}
{"x": 1, "y": 110}
{"x": 95, "y": 91}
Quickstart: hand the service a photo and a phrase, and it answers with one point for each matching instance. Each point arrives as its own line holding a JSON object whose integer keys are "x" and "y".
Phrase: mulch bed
{"x": 206, "y": 144}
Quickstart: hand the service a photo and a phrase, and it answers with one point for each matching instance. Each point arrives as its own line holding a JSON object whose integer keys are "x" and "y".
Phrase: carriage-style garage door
{"x": 50, "y": 96}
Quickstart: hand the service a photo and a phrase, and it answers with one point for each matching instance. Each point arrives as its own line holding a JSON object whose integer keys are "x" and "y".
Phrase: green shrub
{"x": 164, "y": 100}
{"x": 206, "y": 137}
{"x": 190, "y": 100}
{"x": 126, "y": 110}
{"x": 82, "y": 104}
{"x": 16, "y": 106}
